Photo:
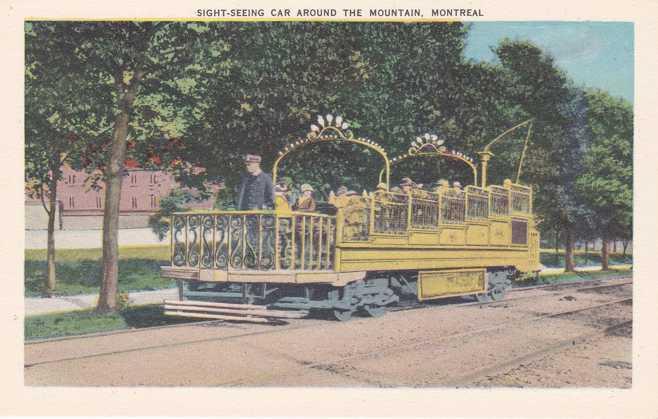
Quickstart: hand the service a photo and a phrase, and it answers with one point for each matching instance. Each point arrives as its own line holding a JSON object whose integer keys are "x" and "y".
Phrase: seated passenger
{"x": 280, "y": 198}
{"x": 456, "y": 186}
{"x": 418, "y": 191}
{"x": 340, "y": 199}
{"x": 380, "y": 192}
{"x": 306, "y": 202}
{"x": 442, "y": 185}
{"x": 286, "y": 183}
{"x": 406, "y": 185}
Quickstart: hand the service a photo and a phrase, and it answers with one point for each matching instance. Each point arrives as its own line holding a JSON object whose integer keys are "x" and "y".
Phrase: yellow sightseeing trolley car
{"x": 370, "y": 252}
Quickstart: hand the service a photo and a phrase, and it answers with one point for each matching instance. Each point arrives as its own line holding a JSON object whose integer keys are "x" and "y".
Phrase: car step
{"x": 230, "y": 312}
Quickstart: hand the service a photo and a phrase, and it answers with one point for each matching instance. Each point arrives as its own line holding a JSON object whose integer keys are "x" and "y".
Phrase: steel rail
{"x": 300, "y": 325}
{"x": 424, "y": 342}
{"x": 435, "y": 304}
{"x": 497, "y": 369}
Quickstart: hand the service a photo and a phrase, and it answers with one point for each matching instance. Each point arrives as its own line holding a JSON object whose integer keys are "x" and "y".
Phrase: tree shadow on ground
{"x": 150, "y": 316}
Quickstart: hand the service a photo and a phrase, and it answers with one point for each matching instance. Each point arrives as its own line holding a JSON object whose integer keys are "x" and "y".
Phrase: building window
{"x": 153, "y": 178}
{"x": 133, "y": 178}
{"x": 154, "y": 201}
{"x": 133, "y": 202}
{"x": 99, "y": 202}
{"x": 71, "y": 202}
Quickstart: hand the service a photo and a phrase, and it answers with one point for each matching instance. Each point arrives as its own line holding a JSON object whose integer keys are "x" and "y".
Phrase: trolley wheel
{"x": 495, "y": 294}
{"x": 498, "y": 293}
{"x": 484, "y": 297}
{"x": 373, "y": 310}
{"x": 342, "y": 315}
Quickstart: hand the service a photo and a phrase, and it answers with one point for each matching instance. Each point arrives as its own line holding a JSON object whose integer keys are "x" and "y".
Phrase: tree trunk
{"x": 625, "y": 246}
{"x": 557, "y": 247}
{"x": 614, "y": 246}
{"x": 107, "y": 300}
{"x": 50, "y": 253}
{"x": 569, "y": 264}
{"x": 586, "y": 254}
{"x": 604, "y": 254}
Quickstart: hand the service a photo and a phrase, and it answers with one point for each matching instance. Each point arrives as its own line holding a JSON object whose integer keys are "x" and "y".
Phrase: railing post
{"x": 310, "y": 245}
{"x": 303, "y": 243}
{"x": 293, "y": 255}
{"x": 187, "y": 260}
{"x": 328, "y": 242}
{"x": 244, "y": 240}
{"x": 321, "y": 223}
{"x": 277, "y": 234}
{"x": 409, "y": 212}
{"x": 213, "y": 247}
{"x": 259, "y": 257}
{"x": 172, "y": 245}
{"x": 371, "y": 226}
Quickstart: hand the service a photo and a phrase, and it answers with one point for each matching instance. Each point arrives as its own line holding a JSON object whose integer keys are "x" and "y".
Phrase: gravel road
{"x": 536, "y": 338}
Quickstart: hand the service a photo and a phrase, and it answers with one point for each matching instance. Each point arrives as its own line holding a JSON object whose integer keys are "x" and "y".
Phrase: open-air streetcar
{"x": 365, "y": 255}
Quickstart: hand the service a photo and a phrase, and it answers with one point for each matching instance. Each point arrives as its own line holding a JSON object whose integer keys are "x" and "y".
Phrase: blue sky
{"x": 593, "y": 54}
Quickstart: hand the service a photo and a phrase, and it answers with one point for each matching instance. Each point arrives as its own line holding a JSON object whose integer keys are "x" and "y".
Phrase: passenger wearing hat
{"x": 305, "y": 203}
{"x": 340, "y": 199}
{"x": 406, "y": 184}
{"x": 256, "y": 190}
{"x": 280, "y": 198}
{"x": 442, "y": 185}
{"x": 380, "y": 192}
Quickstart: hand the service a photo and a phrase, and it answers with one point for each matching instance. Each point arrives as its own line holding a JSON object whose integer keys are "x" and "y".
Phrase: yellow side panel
{"x": 212, "y": 275}
{"x": 378, "y": 240}
{"x": 373, "y": 259}
{"x": 452, "y": 235}
{"x": 438, "y": 284}
{"x": 424, "y": 237}
{"x": 500, "y": 233}
{"x": 477, "y": 235}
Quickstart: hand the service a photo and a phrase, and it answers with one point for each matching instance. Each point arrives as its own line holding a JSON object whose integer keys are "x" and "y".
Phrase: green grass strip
{"x": 87, "y": 321}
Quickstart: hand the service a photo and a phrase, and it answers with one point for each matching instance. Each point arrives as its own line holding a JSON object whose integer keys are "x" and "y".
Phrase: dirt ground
{"x": 538, "y": 338}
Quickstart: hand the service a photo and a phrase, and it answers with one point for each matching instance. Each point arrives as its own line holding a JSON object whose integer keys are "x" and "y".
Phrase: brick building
{"x": 81, "y": 207}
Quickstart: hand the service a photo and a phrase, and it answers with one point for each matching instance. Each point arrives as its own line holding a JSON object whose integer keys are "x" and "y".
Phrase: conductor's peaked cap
{"x": 252, "y": 158}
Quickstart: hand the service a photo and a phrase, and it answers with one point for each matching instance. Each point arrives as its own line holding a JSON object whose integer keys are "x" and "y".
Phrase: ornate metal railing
{"x": 425, "y": 211}
{"x": 271, "y": 241}
{"x": 255, "y": 240}
{"x": 477, "y": 203}
{"x": 499, "y": 198}
{"x": 521, "y": 197}
{"x": 453, "y": 206}
{"x": 390, "y": 213}
{"x": 356, "y": 216}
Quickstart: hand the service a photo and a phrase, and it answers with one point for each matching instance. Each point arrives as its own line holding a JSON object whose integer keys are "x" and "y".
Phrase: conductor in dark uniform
{"x": 256, "y": 190}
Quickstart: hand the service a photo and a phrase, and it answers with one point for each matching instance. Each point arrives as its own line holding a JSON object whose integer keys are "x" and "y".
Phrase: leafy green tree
{"x": 390, "y": 80}
{"x": 49, "y": 141}
{"x": 560, "y": 136}
{"x": 606, "y": 183}
{"x": 130, "y": 88}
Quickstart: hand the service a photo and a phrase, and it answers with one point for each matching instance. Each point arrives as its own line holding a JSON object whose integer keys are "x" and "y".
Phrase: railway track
{"x": 303, "y": 324}
{"x": 444, "y": 304}
{"x": 335, "y": 364}
{"x": 503, "y": 367}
